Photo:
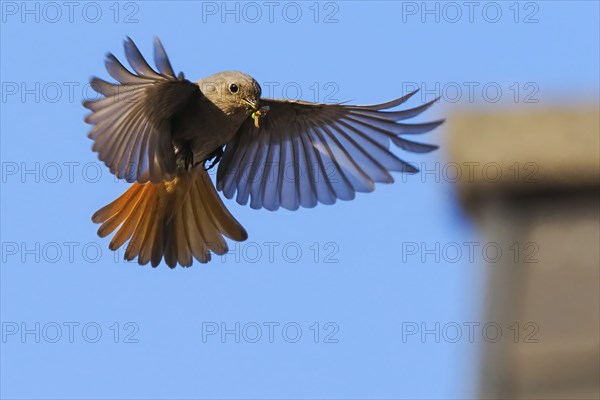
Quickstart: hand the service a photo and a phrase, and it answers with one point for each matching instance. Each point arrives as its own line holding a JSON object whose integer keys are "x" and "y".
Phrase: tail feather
{"x": 217, "y": 243}
{"x": 191, "y": 225}
{"x": 221, "y": 217}
{"x": 128, "y": 227}
{"x": 143, "y": 232}
{"x": 177, "y": 220}
{"x": 114, "y": 208}
{"x": 146, "y": 234}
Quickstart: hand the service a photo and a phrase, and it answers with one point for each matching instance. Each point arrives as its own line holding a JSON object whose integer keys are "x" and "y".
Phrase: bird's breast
{"x": 203, "y": 131}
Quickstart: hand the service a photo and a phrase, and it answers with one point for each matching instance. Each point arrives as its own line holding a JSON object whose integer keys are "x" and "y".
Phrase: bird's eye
{"x": 233, "y": 88}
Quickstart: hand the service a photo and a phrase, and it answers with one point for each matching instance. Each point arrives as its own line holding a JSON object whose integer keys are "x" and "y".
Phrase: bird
{"x": 162, "y": 133}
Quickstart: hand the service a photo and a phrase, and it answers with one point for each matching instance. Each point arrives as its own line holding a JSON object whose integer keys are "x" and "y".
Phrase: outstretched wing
{"x": 305, "y": 153}
{"x": 132, "y": 127}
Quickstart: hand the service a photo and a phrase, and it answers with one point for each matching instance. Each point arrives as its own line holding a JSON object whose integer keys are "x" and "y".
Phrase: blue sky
{"x": 335, "y": 292}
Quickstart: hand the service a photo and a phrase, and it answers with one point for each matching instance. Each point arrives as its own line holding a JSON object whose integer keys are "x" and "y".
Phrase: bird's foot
{"x": 186, "y": 156}
{"x": 215, "y": 156}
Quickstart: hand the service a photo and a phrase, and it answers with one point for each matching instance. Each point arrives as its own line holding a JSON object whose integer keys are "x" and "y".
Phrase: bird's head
{"x": 234, "y": 92}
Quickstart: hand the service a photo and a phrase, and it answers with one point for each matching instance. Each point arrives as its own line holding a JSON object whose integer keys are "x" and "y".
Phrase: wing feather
{"x": 132, "y": 121}
{"x": 306, "y": 153}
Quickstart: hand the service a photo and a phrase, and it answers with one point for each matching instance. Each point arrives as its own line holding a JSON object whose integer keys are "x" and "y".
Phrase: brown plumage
{"x": 179, "y": 219}
{"x": 160, "y": 131}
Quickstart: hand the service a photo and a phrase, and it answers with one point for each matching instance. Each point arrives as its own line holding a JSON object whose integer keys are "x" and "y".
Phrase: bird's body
{"x": 159, "y": 131}
{"x": 206, "y": 123}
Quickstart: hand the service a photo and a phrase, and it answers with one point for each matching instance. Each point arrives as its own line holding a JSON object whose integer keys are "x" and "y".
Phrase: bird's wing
{"x": 305, "y": 153}
{"x": 132, "y": 127}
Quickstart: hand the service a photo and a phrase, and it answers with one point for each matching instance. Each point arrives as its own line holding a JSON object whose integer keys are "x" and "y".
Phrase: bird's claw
{"x": 186, "y": 155}
{"x": 215, "y": 156}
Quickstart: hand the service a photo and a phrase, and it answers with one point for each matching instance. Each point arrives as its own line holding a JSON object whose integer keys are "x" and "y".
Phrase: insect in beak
{"x": 259, "y": 114}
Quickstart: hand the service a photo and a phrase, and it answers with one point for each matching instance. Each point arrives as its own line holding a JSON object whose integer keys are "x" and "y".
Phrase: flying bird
{"x": 162, "y": 133}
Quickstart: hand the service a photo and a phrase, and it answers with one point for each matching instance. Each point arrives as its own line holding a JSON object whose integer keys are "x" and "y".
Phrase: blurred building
{"x": 531, "y": 181}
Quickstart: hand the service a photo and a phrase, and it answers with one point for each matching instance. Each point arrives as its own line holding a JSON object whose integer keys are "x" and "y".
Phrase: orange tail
{"x": 180, "y": 219}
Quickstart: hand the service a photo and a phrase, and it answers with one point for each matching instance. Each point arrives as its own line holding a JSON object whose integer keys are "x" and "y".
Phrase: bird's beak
{"x": 252, "y": 103}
